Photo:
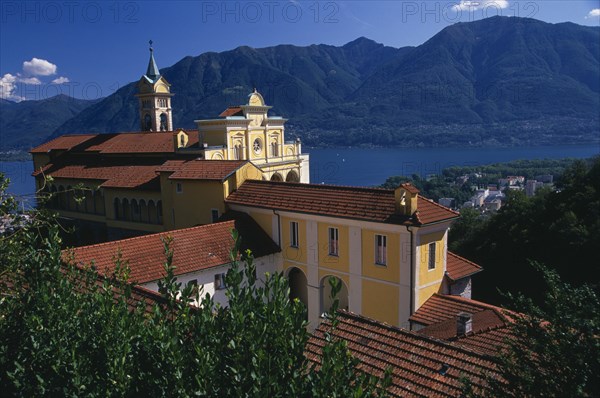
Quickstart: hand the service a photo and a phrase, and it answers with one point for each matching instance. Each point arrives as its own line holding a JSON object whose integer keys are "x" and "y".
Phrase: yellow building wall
{"x": 339, "y": 262}
{"x": 426, "y": 275}
{"x": 111, "y": 193}
{"x": 389, "y": 272}
{"x": 193, "y": 205}
{"x": 433, "y": 278}
{"x": 426, "y": 292}
{"x": 292, "y": 253}
{"x": 265, "y": 221}
{"x": 380, "y": 301}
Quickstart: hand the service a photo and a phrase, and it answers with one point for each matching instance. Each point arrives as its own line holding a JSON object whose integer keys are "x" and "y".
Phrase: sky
{"x": 89, "y": 49}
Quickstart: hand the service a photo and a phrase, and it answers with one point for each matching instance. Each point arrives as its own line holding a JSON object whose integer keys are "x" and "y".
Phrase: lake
{"x": 366, "y": 167}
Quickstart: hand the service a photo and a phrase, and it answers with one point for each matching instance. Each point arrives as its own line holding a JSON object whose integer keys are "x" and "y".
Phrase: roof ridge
{"x": 146, "y": 236}
{"x": 501, "y": 312}
{"x": 463, "y": 258}
{"x": 481, "y": 331}
{"x": 412, "y": 333}
{"x": 438, "y": 205}
{"x": 323, "y": 186}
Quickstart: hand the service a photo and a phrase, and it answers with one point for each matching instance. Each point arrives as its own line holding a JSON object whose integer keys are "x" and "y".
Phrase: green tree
{"x": 556, "y": 352}
{"x": 66, "y": 331}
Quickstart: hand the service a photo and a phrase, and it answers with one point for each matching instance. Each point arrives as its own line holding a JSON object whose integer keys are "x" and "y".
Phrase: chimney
{"x": 464, "y": 323}
{"x": 406, "y": 199}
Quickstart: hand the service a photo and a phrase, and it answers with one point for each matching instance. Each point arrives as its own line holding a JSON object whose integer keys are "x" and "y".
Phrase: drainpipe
{"x": 278, "y": 229}
{"x": 412, "y": 271}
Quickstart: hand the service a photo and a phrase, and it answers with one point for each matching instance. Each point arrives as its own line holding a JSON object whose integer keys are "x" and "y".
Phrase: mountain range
{"x": 496, "y": 81}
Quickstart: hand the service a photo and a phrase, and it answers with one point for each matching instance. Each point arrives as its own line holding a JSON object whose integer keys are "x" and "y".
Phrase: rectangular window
{"x": 214, "y": 215}
{"x": 293, "y": 234}
{"x": 220, "y": 281}
{"x": 178, "y": 188}
{"x": 431, "y": 264}
{"x": 381, "y": 249}
{"x": 333, "y": 241}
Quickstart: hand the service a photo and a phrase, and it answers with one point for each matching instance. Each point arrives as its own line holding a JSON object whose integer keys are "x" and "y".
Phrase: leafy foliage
{"x": 559, "y": 228}
{"x": 557, "y": 352}
{"x": 65, "y": 331}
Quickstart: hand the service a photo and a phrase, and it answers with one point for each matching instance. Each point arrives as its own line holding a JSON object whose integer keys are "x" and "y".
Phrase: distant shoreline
{"x": 25, "y": 156}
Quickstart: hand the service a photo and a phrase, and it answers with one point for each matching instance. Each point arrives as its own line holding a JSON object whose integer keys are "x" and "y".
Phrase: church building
{"x": 387, "y": 248}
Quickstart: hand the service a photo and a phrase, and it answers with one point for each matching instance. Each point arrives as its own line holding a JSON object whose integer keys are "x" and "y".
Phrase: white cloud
{"x": 61, "y": 80}
{"x": 39, "y": 67}
{"x": 29, "y": 80}
{"x": 595, "y": 13}
{"x": 8, "y": 85}
{"x": 466, "y": 5}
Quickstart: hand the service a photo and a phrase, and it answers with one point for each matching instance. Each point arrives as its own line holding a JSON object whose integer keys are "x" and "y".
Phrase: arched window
{"x": 159, "y": 211}
{"x": 274, "y": 148}
{"x": 237, "y": 152}
{"x": 152, "y": 212}
{"x": 163, "y": 122}
{"x": 135, "y": 210}
{"x": 117, "y": 202}
{"x": 147, "y": 122}
{"x": 126, "y": 210}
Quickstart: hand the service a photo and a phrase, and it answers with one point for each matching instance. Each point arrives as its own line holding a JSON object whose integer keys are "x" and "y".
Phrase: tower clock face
{"x": 257, "y": 146}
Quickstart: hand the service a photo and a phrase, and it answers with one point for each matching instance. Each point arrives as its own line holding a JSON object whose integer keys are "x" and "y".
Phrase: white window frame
{"x": 333, "y": 239}
{"x": 432, "y": 249}
{"x": 294, "y": 238}
{"x": 381, "y": 249}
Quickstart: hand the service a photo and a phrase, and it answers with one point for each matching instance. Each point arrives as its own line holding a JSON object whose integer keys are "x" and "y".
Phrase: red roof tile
{"x": 65, "y": 142}
{"x": 203, "y": 169}
{"x": 148, "y": 142}
{"x": 441, "y": 307}
{"x": 115, "y": 176}
{"x": 372, "y": 204}
{"x": 421, "y": 366}
{"x": 232, "y": 111}
{"x": 480, "y": 321}
{"x": 410, "y": 188}
{"x": 459, "y": 267}
{"x": 194, "y": 249}
{"x": 490, "y": 324}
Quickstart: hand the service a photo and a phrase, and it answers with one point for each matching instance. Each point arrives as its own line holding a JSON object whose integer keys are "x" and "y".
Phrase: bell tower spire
{"x": 154, "y": 94}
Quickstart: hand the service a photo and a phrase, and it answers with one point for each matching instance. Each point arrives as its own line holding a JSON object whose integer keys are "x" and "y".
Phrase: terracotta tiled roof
{"x": 203, "y": 169}
{"x": 459, "y": 267}
{"x": 487, "y": 341}
{"x": 65, "y": 142}
{"x": 410, "y": 188}
{"x": 232, "y": 111}
{"x": 490, "y": 324}
{"x": 421, "y": 366}
{"x": 440, "y": 307}
{"x": 115, "y": 176}
{"x": 372, "y": 204}
{"x": 481, "y": 321}
{"x": 147, "y": 142}
{"x": 194, "y": 249}
{"x": 160, "y": 142}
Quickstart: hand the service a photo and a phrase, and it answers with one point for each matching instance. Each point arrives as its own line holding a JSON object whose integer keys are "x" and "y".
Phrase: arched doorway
{"x": 298, "y": 285}
{"x": 326, "y": 299}
{"x": 292, "y": 176}
{"x": 276, "y": 177}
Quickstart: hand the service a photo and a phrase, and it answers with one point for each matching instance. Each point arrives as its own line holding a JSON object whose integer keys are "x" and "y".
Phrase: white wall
{"x": 206, "y": 278}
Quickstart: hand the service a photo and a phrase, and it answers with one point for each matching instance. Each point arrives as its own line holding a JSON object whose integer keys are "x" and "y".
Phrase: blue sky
{"x": 88, "y": 49}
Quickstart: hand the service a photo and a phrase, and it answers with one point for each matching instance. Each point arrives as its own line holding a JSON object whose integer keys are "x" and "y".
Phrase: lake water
{"x": 366, "y": 167}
